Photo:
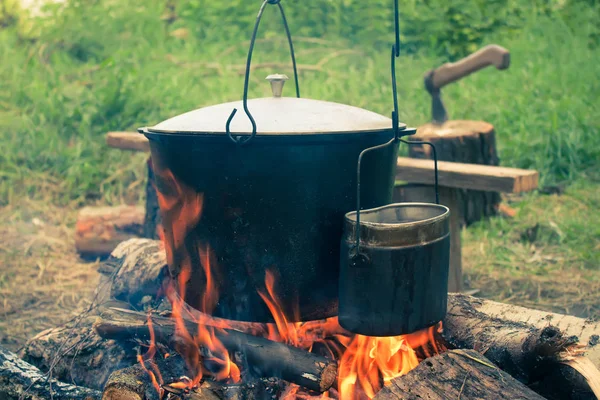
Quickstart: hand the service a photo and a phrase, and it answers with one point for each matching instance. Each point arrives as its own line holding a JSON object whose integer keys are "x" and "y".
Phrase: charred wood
{"x": 21, "y": 380}
{"x": 267, "y": 358}
{"x": 100, "y": 229}
{"x": 456, "y": 374}
{"x": 77, "y": 354}
{"x": 556, "y": 354}
{"x": 135, "y": 382}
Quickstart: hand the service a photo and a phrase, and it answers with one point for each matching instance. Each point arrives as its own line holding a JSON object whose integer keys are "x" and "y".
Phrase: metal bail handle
{"x": 241, "y": 140}
{"x": 356, "y": 257}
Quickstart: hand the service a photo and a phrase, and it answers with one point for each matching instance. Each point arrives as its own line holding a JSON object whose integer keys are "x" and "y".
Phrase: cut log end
{"x": 453, "y": 129}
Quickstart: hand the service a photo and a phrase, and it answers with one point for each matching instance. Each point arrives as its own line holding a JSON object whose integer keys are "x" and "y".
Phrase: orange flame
{"x": 181, "y": 208}
{"x": 285, "y": 331}
{"x": 365, "y": 364}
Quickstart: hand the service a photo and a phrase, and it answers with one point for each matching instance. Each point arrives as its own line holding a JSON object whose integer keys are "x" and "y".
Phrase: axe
{"x": 436, "y": 79}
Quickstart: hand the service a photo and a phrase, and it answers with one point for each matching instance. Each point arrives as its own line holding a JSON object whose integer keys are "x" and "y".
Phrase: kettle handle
{"x": 240, "y": 140}
{"x": 355, "y": 253}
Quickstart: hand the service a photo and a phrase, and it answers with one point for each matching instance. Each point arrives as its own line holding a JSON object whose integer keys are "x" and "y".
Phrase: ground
{"x": 525, "y": 260}
{"x": 43, "y": 283}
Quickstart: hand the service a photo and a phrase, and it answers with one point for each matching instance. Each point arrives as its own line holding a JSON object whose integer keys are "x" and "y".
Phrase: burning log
{"x": 100, "y": 229}
{"x": 268, "y": 358}
{"x": 456, "y": 374}
{"x": 23, "y": 381}
{"x": 134, "y": 382}
{"x": 77, "y": 354}
{"x": 555, "y": 354}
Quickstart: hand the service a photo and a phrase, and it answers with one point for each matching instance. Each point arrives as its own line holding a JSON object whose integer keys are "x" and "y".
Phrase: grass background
{"x": 83, "y": 68}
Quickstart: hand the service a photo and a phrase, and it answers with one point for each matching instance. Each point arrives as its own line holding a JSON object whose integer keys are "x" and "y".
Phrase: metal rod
{"x": 289, "y": 37}
{"x": 395, "y": 118}
{"x": 362, "y": 153}
{"x": 240, "y": 140}
{"x": 435, "y": 164}
{"x": 397, "y": 29}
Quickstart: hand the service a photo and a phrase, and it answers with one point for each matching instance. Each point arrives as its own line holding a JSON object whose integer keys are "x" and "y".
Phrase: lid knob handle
{"x": 277, "y": 81}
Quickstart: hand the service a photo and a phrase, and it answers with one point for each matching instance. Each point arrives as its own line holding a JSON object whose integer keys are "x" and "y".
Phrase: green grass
{"x": 548, "y": 255}
{"x": 113, "y": 66}
{"x": 100, "y": 66}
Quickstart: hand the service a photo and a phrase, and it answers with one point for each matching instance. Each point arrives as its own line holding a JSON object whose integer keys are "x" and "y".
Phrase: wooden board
{"x": 467, "y": 176}
{"x": 455, "y": 175}
{"x": 456, "y": 374}
{"x": 127, "y": 141}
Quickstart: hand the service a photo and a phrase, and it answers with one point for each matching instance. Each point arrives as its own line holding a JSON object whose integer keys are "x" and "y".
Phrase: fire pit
{"x": 179, "y": 353}
{"x": 240, "y": 297}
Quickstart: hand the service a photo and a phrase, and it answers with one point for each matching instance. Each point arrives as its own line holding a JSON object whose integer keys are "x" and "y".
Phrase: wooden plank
{"x": 127, "y": 141}
{"x": 453, "y": 175}
{"x": 468, "y": 176}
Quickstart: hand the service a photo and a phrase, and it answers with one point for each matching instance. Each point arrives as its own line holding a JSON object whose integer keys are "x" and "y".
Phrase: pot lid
{"x": 278, "y": 115}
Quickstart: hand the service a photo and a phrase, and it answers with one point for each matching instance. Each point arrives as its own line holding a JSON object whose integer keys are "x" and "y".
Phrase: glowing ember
{"x": 365, "y": 364}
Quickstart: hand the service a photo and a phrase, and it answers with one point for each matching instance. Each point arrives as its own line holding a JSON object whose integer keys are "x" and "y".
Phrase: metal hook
{"x": 241, "y": 140}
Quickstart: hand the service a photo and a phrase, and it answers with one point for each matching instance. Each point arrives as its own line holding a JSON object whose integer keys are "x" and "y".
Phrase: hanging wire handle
{"x": 241, "y": 140}
{"x": 356, "y": 256}
{"x": 435, "y": 164}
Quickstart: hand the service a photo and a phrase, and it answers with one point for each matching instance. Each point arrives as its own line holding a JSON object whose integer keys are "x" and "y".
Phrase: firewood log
{"x": 77, "y": 354}
{"x": 100, "y": 229}
{"x": 136, "y": 268}
{"x": 23, "y": 381}
{"x": 268, "y": 358}
{"x": 555, "y": 354}
{"x": 456, "y": 374}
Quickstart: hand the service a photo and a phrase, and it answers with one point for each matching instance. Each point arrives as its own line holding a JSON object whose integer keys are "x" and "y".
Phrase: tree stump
{"x": 471, "y": 142}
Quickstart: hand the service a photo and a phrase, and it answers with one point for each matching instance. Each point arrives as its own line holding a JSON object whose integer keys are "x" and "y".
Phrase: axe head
{"x": 438, "y": 111}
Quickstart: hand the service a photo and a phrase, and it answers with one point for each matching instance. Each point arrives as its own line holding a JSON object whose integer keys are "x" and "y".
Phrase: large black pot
{"x": 275, "y": 203}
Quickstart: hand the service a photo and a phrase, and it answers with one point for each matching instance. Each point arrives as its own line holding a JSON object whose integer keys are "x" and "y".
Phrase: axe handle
{"x": 489, "y": 55}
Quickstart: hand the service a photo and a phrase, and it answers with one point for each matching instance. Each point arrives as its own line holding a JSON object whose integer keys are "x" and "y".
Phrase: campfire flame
{"x": 365, "y": 364}
{"x": 182, "y": 210}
